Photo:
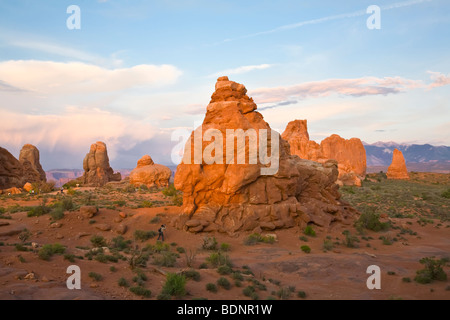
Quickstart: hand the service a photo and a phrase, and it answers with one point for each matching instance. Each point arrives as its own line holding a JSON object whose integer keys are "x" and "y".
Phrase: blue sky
{"x": 137, "y": 70}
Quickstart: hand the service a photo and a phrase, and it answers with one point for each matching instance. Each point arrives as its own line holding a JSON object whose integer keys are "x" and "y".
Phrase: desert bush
{"x": 145, "y": 204}
{"x": 70, "y": 257}
{"x": 192, "y": 274}
{"x": 303, "y": 238}
{"x": 120, "y": 243}
{"x": 95, "y": 276}
{"x": 209, "y": 243}
{"x": 40, "y": 210}
{"x": 140, "y": 291}
{"x": 211, "y": 287}
{"x": 144, "y": 235}
{"x": 433, "y": 270}
{"x": 309, "y": 231}
{"x": 225, "y": 246}
{"x": 284, "y": 293}
{"x": 163, "y": 296}
{"x": 301, "y": 294}
{"x": 98, "y": 241}
{"x": 223, "y": 270}
{"x": 224, "y": 283}
{"x": 350, "y": 240}
{"x": 155, "y": 220}
{"x": 24, "y": 235}
{"x": 112, "y": 269}
{"x": 217, "y": 259}
{"x": 249, "y": 291}
{"x": 406, "y": 279}
{"x": 237, "y": 276}
{"x": 165, "y": 259}
{"x": 48, "y": 250}
{"x": 175, "y": 285}
{"x": 327, "y": 245}
{"x": 446, "y": 194}
{"x": 181, "y": 250}
{"x": 190, "y": 257}
{"x": 370, "y": 220}
{"x": 20, "y": 247}
{"x": 169, "y": 191}
{"x": 57, "y": 213}
{"x": 255, "y": 238}
{"x": 123, "y": 283}
{"x": 305, "y": 249}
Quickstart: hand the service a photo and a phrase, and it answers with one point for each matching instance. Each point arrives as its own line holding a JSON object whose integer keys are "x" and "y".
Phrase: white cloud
{"x": 48, "y": 77}
{"x": 357, "y": 87}
{"x": 74, "y": 130}
{"x": 240, "y": 70}
{"x": 439, "y": 79}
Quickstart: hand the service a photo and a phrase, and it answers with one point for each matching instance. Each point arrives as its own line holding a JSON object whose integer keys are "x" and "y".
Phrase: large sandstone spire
{"x": 231, "y": 197}
{"x": 97, "y": 171}
{"x": 29, "y": 158}
{"x": 11, "y": 170}
{"x": 397, "y": 169}
{"x": 350, "y": 154}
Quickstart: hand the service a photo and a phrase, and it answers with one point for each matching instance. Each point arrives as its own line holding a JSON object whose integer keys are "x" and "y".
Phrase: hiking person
{"x": 161, "y": 232}
{"x": 62, "y": 190}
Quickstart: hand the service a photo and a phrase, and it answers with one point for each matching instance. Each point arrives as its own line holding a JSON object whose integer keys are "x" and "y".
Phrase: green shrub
{"x": 406, "y": 279}
{"x": 48, "y": 250}
{"x": 38, "y": 211}
{"x": 309, "y": 231}
{"x": 144, "y": 235}
{"x": 238, "y": 283}
{"x": 123, "y": 283}
{"x": 283, "y": 293}
{"x": 163, "y": 296}
{"x": 112, "y": 269}
{"x": 224, "y": 283}
{"x": 146, "y": 204}
{"x": 155, "y": 220}
{"x": 301, "y": 294}
{"x": 120, "y": 203}
{"x": 305, "y": 249}
{"x": 24, "y": 235}
{"x": 175, "y": 285}
{"x": 433, "y": 270}
{"x": 370, "y": 220}
{"x": 120, "y": 243}
{"x": 237, "y": 276}
{"x": 57, "y": 213}
{"x": 20, "y": 247}
{"x": 249, "y": 291}
{"x": 225, "y": 246}
{"x": 209, "y": 243}
{"x": 211, "y": 287}
{"x": 140, "y": 291}
{"x": 192, "y": 274}
{"x": 170, "y": 191}
{"x": 255, "y": 238}
{"x": 181, "y": 250}
{"x": 95, "y": 276}
{"x": 217, "y": 259}
{"x": 165, "y": 259}
{"x": 328, "y": 245}
{"x": 303, "y": 238}
{"x": 225, "y": 269}
{"x": 446, "y": 194}
{"x": 70, "y": 257}
{"x": 350, "y": 240}
{"x": 98, "y": 241}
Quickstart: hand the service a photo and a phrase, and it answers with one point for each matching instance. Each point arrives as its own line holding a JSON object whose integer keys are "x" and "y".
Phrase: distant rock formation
{"x": 230, "y": 197}
{"x": 97, "y": 171}
{"x": 29, "y": 158}
{"x": 397, "y": 169}
{"x": 150, "y": 174}
{"x": 350, "y": 154}
{"x": 11, "y": 170}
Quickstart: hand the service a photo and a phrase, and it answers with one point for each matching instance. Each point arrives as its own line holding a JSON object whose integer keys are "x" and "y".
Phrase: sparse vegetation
{"x": 433, "y": 270}
{"x": 175, "y": 285}
{"x": 98, "y": 241}
{"x": 211, "y": 287}
{"x": 327, "y": 245}
{"x": 123, "y": 283}
{"x": 209, "y": 243}
{"x": 141, "y": 291}
{"x": 95, "y": 276}
{"x": 350, "y": 241}
{"x": 255, "y": 238}
{"x": 48, "y": 250}
{"x": 142, "y": 235}
{"x": 224, "y": 283}
{"x": 301, "y": 294}
{"x": 305, "y": 249}
{"x": 370, "y": 220}
{"x": 309, "y": 231}
{"x": 192, "y": 274}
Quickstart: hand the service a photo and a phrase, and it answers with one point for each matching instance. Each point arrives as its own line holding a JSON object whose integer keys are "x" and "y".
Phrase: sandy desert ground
{"x": 334, "y": 269}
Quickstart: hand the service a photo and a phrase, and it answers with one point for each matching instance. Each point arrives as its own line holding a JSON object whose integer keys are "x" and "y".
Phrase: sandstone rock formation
{"x": 230, "y": 197}
{"x": 29, "y": 158}
{"x": 11, "y": 170}
{"x": 350, "y": 154}
{"x": 397, "y": 169}
{"x": 150, "y": 174}
{"x": 97, "y": 171}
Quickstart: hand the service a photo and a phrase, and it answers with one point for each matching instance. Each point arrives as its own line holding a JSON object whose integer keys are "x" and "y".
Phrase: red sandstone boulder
{"x": 150, "y": 174}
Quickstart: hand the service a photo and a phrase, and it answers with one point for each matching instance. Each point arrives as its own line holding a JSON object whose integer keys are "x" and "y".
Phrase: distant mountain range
{"x": 418, "y": 157}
